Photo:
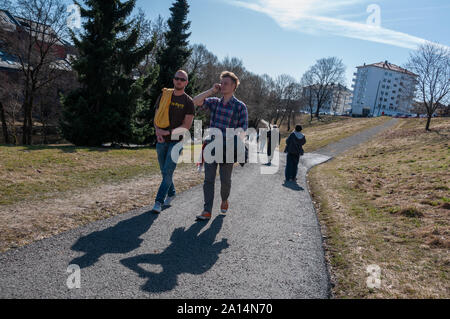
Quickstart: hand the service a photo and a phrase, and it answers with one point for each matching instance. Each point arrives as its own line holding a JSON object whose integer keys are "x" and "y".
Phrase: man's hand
{"x": 200, "y": 99}
{"x": 159, "y": 139}
{"x": 162, "y": 132}
{"x": 216, "y": 88}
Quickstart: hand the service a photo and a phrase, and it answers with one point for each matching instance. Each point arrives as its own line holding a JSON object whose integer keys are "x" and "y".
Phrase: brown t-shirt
{"x": 180, "y": 106}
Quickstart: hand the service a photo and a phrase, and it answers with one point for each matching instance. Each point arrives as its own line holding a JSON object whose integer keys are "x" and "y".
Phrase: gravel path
{"x": 268, "y": 246}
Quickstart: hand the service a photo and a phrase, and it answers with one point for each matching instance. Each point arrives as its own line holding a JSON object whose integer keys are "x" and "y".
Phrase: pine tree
{"x": 174, "y": 53}
{"x": 103, "y": 109}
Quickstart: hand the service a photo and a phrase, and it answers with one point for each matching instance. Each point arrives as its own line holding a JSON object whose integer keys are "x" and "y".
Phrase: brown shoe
{"x": 224, "y": 207}
{"x": 204, "y": 216}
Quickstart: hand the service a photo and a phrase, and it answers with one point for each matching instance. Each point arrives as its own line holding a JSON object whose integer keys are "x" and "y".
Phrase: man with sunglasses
{"x": 181, "y": 116}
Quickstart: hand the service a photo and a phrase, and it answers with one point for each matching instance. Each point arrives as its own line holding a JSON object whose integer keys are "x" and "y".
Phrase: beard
{"x": 179, "y": 87}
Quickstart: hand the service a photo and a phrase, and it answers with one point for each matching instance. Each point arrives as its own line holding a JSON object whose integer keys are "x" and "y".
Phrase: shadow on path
{"x": 119, "y": 239}
{"x": 293, "y": 185}
{"x": 189, "y": 253}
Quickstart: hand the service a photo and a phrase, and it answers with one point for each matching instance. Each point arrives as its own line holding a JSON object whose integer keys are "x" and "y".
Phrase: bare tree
{"x": 11, "y": 101}
{"x": 149, "y": 31}
{"x": 281, "y": 87}
{"x": 4, "y": 126}
{"x": 320, "y": 79}
{"x": 36, "y": 44}
{"x": 204, "y": 65}
{"x": 295, "y": 98}
{"x": 431, "y": 62}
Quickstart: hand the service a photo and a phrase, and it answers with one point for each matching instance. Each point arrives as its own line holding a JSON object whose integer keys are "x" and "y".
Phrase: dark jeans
{"x": 292, "y": 161}
{"x": 225, "y": 172}
{"x": 167, "y": 164}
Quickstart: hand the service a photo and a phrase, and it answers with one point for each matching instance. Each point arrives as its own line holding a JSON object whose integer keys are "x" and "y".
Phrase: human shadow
{"x": 293, "y": 185}
{"x": 119, "y": 239}
{"x": 189, "y": 253}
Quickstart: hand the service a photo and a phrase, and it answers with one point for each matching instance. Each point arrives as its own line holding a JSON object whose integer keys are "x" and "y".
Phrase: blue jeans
{"x": 167, "y": 166}
{"x": 292, "y": 161}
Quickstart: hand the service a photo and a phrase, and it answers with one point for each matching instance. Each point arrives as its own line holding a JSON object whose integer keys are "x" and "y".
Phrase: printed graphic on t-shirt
{"x": 178, "y": 105}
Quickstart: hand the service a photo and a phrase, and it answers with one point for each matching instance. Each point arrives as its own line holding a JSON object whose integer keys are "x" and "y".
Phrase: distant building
{"x": 383, "y": 88}
{"x": 14, "y": 26}
{"x": 338, "y": 101}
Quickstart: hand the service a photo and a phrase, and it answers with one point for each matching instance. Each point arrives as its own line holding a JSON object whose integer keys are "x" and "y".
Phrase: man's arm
{"x": 187, "y": 124}
{"x": 199, "y": 100}
{"x": 243, "y": 121}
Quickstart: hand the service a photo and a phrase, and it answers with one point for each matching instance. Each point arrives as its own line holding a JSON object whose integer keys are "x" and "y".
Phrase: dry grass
{"x": 329, "y": 129}
{"x": 48, "y": 190}
{"x": 387, "y": 203}
{"x": 39, "y": 172}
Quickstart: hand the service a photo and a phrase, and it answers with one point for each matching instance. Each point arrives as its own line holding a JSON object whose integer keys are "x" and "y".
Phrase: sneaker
{"x": 157, "y": 208}
{"x": 224, "y": 207}
{"x": 204, "y": 216}
{"x": 169, "y": 200}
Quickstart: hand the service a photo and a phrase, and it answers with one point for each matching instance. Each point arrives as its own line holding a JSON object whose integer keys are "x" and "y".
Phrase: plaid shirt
{"x": 223, "y": 117}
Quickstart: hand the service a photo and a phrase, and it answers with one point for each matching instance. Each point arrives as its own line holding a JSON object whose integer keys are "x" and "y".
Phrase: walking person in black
{"x": 294, "y": 149}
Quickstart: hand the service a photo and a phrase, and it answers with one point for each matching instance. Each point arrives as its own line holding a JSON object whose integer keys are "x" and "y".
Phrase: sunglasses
{"x": 179, "y": 79}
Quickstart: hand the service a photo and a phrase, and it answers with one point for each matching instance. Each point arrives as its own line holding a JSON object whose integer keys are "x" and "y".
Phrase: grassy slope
{"x": 387, "y": 203}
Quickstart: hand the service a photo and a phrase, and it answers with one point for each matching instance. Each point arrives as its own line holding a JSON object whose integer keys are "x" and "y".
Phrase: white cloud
{"x": 310, "y": 16}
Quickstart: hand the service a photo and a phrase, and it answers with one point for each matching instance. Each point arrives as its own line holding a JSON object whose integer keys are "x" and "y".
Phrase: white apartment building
{"x": 383, "y": 88}
{"x": 338, "y": 102}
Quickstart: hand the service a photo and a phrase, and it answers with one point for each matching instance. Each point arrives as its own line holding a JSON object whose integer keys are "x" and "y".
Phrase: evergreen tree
{"x": 103, "y": 109}
{"x": 173, "y": 54}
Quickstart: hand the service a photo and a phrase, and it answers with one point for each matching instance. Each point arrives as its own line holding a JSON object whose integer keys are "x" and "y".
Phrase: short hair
{"x": 232, "y": 76}
{"x": 298, "y": 128}
{"x": 184, "y": 72}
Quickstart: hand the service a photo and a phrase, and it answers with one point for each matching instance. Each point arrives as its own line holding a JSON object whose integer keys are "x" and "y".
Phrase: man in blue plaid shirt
{"x": 226, "y": 112}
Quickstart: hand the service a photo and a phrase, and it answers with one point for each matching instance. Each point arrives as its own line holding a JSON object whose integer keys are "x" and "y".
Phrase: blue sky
{"x": 288, "y": 36}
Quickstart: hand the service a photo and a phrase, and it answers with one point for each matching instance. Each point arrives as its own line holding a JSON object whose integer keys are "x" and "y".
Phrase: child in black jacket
{"x": 294, "y": 149}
